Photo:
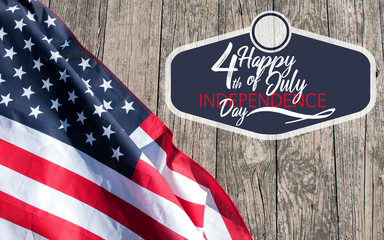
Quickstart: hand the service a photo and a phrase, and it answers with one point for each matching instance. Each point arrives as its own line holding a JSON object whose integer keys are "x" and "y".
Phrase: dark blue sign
{"x": 270, "y": 81}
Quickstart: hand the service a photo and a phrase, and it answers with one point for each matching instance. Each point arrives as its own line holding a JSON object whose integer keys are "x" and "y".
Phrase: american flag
{"x": 81, "y": 157}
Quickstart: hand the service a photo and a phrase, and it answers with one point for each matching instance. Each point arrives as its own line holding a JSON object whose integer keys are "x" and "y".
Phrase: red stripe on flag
{"x": 163, "y": 137}
{"x": 84, "y": 190}
{"x": 194, "y": 211}
{"x": 39, "y": 221}
{"x": 181, "y": 163}
{"x": 148, "y": 177}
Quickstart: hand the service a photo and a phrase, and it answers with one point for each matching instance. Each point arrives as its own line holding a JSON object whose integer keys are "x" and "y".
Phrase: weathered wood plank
{"x": 45, "y": 2}
{"x": 345, "y": 20}
{"x": 246, "y": 166}
{"x": 184, "y": 22}
{"x": 86, "y": 19}
{"x": 246, "y": 169}
{"x": 373, "y": 30}
{"x": 132, "y": 46}
{"x": 305, "y": 164}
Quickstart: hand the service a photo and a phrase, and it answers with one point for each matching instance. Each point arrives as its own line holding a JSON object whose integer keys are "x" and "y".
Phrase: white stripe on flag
{"x": 9, "y": 230}
{"x": 78, "y": 162}
{"x": 214, "y": 225}
{"x": 140, "y": 138}
{"x": 59, "y": 204}
{"x": 182, "y": 186}
{"x": 146, "y": 144}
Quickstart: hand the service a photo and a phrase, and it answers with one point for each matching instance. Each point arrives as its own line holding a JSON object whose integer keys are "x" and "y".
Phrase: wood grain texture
{"x": 373, "y": 30}
{"x": 326, "y": 184}
{"x": 346, "y": 21}
{"x": 246, "y": 167}
{"x": 86, "y": 20}
{"x": 184, "y": 22}
{"x": 132, "y": 46}
{"x": 305, "y": 164}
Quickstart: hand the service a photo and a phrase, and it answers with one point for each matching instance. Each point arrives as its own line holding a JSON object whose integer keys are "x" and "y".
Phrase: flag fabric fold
{"x": 81, "y": 157}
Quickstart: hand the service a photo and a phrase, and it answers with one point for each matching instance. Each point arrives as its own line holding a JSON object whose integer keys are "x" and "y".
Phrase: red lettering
{"x": 279, "y": 98}
{"x": 234, "y": 100}
{"x": 306, "y": 100}
{"x": 242, "y": 99}
{"x": 252, "y": 100}
{"x": 219, "y": 100}
{"x": 302, "y": 100}
{"x": 209, "y": 100}
{"x": 287, "y": 100}
{"x": 266, "y": 103}
{"x": 321, "y": 99}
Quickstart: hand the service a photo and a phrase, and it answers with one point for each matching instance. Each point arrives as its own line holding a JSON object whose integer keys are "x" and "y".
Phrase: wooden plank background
{"x": 326, "y": 184}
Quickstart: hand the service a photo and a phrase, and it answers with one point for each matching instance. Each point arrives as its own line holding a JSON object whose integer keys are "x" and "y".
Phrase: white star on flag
{"x": 6, "y": 99}
{"x": 55, "y": 104}
{"x": 9, "y": 53}
{"x": 66, "y": 44}
{"x": 37, "y": 64}
{"x": 20, "y": 24}
{"x": 35, "y": 111}
{"x": 80, "y": 117}
{"x": 107, "y": 105}
{"x": 89, "y": 91}
{"x": 108, "y": 131}
{"x": 31, "y": 16}
{"x": 106, "y": 84}
{"x": 99, "y": 110}
{"x": 84, "y": 63}
{"x": 90, "y": 138}
{"x": 128, "y": 106}
{"x": 64, "y": 125}
{"x": 64, "y": 75}
{"x": 1, "y": 80}
{"x": 19, "y": 72}
{"x": 46, "y": 84}
{"x": 55, "y": 55}
{"x": 28, "y": 92}
{"x": 50, "y": 21}
{"x": 116, "y": 153}
{"x": 46, "y": 39}
{"x": 12, "y": 9}
{"x": 2, "y": 33}
{"x": 72, "y": 96}
{"x": 86, "y": 82}
{"x": 29, "y": 44}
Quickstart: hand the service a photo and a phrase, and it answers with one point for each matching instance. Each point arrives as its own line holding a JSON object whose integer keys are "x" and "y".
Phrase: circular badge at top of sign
{"x": 270, "y": 32}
